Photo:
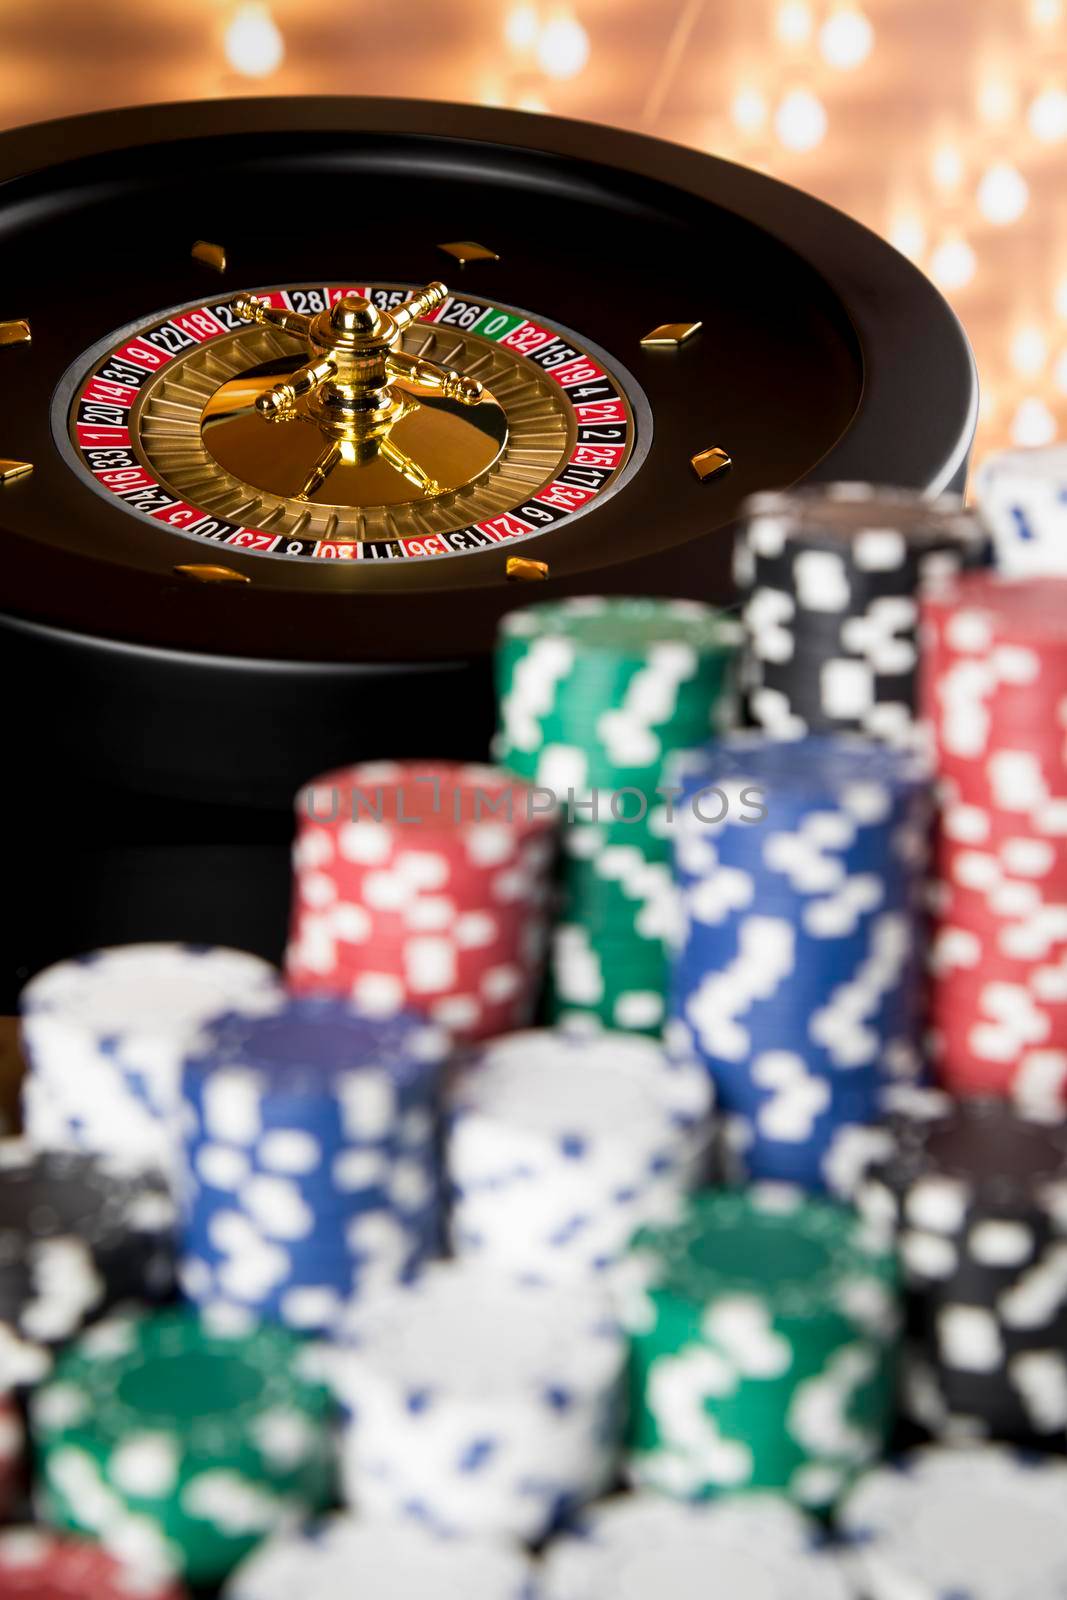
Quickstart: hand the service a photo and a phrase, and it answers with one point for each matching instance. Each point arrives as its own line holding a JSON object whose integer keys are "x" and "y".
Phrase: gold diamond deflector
{"x": 204, "y": 572}
{"x": 465, "y": 250}
{"x": 710, "y": 463}
{"x": 669, "y": 335}
{"x": 15, "y": 331}
{"x": 212, "y": 255}
{"x": 484, "y": 432}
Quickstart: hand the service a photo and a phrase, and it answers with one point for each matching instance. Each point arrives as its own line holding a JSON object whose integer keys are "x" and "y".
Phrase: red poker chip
{"x": 38, "y": 1564}
{"x": 1027, "y": 610}
{"x": 424, "y": 886}
{"x": 995, "y": 695}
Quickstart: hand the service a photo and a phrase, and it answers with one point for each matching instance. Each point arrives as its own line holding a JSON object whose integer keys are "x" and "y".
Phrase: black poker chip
{"x": 976, "y": 1192}
{"x": 78, "y": 1237}
{"x": 829, "y": 580}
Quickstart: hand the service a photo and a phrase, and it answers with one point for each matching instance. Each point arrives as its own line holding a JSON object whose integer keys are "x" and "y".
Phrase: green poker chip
{"x": 764, "y": 1332}
{"x": 612, "y": 982}
{"x": 601, "y": 691}
{"x": 598, "y": 700}
{"x": 182, "y": 1445}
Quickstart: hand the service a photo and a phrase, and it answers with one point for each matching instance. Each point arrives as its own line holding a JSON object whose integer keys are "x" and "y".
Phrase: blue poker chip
{"x": 311, "y": 1159}
{"x": 793, "y": 773}
{"x": 799, "y": 969}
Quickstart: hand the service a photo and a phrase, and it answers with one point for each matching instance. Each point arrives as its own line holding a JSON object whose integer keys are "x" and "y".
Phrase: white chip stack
{"x": 104, "y": 1037}
{"x": 642, "y": 1548}
{"x": 341, "y": 1555}
{"x": 959, "y": 1524}
{"x": 480, "y": 1406}
{"x": 562, "y": 1145}
{"x": 1022, "y": 501}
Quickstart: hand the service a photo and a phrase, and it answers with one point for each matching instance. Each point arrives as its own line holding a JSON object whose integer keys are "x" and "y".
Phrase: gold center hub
{"x": 426, "y": 446}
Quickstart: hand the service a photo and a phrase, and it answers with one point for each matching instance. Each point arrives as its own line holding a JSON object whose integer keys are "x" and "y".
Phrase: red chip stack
{"x": 995, "y": 694}
{"x": 39, "y": 1565}
{"x": 423, "y": 887}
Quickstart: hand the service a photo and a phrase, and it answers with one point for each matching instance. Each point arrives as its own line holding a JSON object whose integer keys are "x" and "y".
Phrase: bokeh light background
{"x": 942, "y": 124}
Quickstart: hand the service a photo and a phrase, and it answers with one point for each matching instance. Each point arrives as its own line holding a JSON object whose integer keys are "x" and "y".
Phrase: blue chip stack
{"x": 311, "y": 1169}
{"x": 799, "y": 969}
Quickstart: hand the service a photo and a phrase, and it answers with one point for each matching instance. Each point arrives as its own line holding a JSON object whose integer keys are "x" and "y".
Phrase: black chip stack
{"x": 828, "y": 579}
{"x": 976, "y": 1192}
{"x": 77, "y": 1237}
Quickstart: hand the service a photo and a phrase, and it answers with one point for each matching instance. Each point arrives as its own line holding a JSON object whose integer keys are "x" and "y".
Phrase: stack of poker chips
{"x": 976, "y": 1194}
{"x": 104, "y": 1036}
{"x": 829, "y": 580}
{"x": 1022, "y": 501}
{"x": 180, "y": 1445}
{"x": 963, "y": 1523}
{"x": 78, "y": 1236}
{"x": 561, "y": 1146}
{"x": 38, "y": 1565}
{"x": 996, "y": 697}
{"x": 311, "y": 1160}
{"x": 480, "y": 1405}
{"x": 644, "y": 1545}
{"x": 388, "y": 1560}
{"x": 799, "y": 972}
{"x": 763, "y": 1335}
{"x": 423, "y": 887}
{"x": 595, "y": 697}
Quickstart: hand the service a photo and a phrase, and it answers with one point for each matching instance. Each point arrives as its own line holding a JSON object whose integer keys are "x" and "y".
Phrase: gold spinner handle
{"x": 353, "y": 362}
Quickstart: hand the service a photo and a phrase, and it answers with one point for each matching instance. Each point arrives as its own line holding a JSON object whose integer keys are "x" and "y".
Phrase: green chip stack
{"x": 596, "y": 696}
{"x": 763, "y": 1334}
{"x": 180, "y": 1448}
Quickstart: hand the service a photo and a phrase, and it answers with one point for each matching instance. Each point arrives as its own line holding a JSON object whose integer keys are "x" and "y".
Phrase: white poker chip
{"x": 960, "y": 1524}
{"x": 343, "y": 1556}
{"x": 480, "y": 1405}
{"x": 643, "y": 1547}
{"x": 145, "y": 991}
{"x": 1021, "y": 500}
{"x": 104, "y": 1037}
{"x": 562, "y": 1145}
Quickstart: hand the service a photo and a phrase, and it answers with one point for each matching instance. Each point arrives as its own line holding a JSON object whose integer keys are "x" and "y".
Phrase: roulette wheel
{"x": 300, "y": 396}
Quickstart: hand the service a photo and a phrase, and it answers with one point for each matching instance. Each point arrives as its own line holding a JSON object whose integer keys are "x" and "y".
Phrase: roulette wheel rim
{"x": 906, "y": 340}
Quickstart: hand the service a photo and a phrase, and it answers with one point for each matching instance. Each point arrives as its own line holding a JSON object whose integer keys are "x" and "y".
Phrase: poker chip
{"x": 104, "y": 1038}
{"x": 424, "y": 887}
{"x": 311, "y": 1162}
{"x": 799, "y": 971}
{"x": 976, "y": 1524}
{"x": 480, "y": 1405}
{"x": 1022, "y": 500}
{"x": 975, "y": 1193}
{"x": 179, "y": 1444}
{"x": 78, "y": 1236}
{"x": 560, "y": 1146}
{"x": 12, "y": 1453}
{"x": 828, "y": 579}
{"x": 763, "y": 1334}
{"x": 38, "y": 1565}
{"x": 387, "y": 1560}
{"x": 996, "y": 698}
{"x": 758, "y": 1548}
{"x": 595, "y": 697}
